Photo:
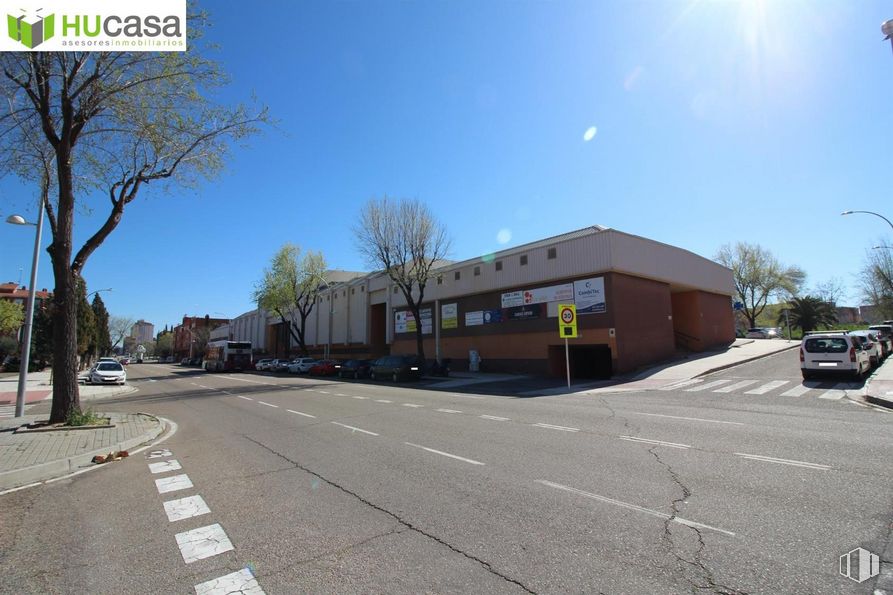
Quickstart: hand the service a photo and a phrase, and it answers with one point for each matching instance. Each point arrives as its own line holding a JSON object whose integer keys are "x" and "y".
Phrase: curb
{"x": 744, "y": 361}
{"x": 51, "y": 469}
{"x": 884, "y": 584}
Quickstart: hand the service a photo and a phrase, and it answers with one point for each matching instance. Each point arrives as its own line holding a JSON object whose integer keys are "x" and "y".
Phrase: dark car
{"x": 397, "y": 367}
{"x": 354, "y": 368}
{"x": 325, "y": 367}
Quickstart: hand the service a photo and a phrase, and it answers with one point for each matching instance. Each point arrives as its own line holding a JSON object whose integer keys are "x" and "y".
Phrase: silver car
{"x": 107, "y": 372}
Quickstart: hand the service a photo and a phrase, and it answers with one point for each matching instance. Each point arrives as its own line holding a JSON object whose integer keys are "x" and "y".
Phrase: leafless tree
{"x": 87, "y": 124}
{"x": 876, "y": 280}
{"x": 403, "y": 238}
{"x": 119, "y": 327}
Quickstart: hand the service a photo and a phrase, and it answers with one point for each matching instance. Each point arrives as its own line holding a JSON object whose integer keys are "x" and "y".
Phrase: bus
{"x": 227, "y": 356}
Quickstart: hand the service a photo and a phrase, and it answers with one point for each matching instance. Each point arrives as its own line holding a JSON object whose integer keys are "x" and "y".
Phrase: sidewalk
{"x": 31, "y": 457}
{"x": 878, "y": 388}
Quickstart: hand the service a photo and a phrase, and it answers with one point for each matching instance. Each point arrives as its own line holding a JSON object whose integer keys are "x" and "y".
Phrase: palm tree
{"x": 809, "y": 313}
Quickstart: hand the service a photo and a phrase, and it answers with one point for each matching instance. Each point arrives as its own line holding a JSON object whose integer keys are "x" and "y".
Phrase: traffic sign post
{"x": 567, "y": 328}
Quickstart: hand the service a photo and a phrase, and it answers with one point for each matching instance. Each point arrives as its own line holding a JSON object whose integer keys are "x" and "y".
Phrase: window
{"x": 353, "y": 291}
{"x": 523, "y": 260}
{"x": 498, "y": 265}
{"x": 477, "y": 271}
{"x": 457, "y": 275}
{"x": 395, "y": 289}
{"x": 552, "y": 253}
{"x": 440, "y": 279}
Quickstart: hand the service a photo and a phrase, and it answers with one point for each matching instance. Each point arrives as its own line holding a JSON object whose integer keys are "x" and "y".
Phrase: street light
{"x": 25, "y": 359}
{"x": 871, "y": 212}
{"x": 887, "y": 30}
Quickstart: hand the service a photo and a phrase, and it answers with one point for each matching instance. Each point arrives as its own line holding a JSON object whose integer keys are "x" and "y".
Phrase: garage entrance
{"x": 587, "y": 361}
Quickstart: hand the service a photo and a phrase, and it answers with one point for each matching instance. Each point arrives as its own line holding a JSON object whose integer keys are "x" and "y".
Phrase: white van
{"x": 832, "y": 352}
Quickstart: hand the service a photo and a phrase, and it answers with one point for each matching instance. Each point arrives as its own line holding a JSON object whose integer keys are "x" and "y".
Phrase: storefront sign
{"x": 400, "y": 325}
{"x": 589, "y": 296}
{"x": 492, "y": 316}
{"x": 449, "y": 316}
{"x": 474, "y": 318}
{"x": 524, "y": 312}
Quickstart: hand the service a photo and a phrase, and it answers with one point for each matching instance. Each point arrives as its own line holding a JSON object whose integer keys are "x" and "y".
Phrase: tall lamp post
{"x": 29, "y": 309}
{"x": 887, "y": 30}
{"x": 870, "y": 213}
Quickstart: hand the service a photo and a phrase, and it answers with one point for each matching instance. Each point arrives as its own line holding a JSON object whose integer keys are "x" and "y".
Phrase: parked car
{"x": 397, "y": 367}
{"x": 279, "y": 365}
{"x": 12, "y": 363}
{"x": 884, "y": 333}
{"x": 832, "y": 352}
{"x": 124, "y": 361}
{"x": 106, "y": 372}
{"x": 263, "y": 364}
{"x": 871, "y": 345}
{"x": 766, "y": 332}
{"x": 301, "y": 365}
{"x": 324, "y": 367}
{"x": 354, "y": 368}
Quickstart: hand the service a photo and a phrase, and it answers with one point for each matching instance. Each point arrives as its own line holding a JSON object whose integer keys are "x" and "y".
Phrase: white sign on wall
{"x": 539, "y": 295}
{"x": 589, "y": 296}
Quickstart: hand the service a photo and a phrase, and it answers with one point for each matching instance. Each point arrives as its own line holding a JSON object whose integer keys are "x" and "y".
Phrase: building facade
{"x": 638, "y": 300}
{"x": 192, "y": 335}
{"x": 142, "y": 331}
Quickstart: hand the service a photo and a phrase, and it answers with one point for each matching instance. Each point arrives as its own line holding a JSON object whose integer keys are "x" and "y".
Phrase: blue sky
{"x": 715, "y": 121}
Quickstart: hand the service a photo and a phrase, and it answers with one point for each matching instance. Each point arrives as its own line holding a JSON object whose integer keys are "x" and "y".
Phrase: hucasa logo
{"x": 31, "y": 29}
{"x": 126, "y": 30}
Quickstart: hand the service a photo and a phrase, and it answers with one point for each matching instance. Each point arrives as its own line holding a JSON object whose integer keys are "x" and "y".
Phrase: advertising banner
{"x": 589, "y": 296}
{"x": 426, "y": 315}
{"x": 529, "y": 312}
{"x": 400, "y": 323}
{"x": 474, "y": 318}
{"x": 492, "y": 316}
{"x": 449, "y": 316}
{"x": 540, "y": 295}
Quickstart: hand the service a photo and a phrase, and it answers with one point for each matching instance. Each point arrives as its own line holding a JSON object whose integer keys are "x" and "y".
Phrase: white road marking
{"x": 246, "y": 398}
{"x": 465, "y": 396}
{"x": 322, "y": 392}
{"x": 242, "y": 582}
{"x": 411, "y": 405}
{"x": 203, "y": 386}
{"x": 159, "y": 454}
{"x": 655, "y": 442}
{"x": 494, "y": 418}
{"x": 714, "y": 421}
{"x": 185, "y": 508}
{"x": 797, "y": 391}
{"x": 737, "y": 386}
{"x": 762, "y": 390}
{"x": 445, "y": 454}
{"x": 816, "y": 466}
{"x": 361, "y": 398}
{"x": 681, "y": 384}
{"x": 655, "y": 513}
{"x": 382, "y": 401}
{"x": 203, "y": 542}
{"x": 299, "y": 413}
{"x": 340, "y": 395}
{"x": 268, "y": 404}
{"x": 707, "y": 386}
{"x": 448, "y": 411}
{"x": 551, "y": 427}
{"x": 246, "y": 380}
{"x": 164, "y": 466}
{"x": 836, "y": 393}
{"x": 355, "y": 429}
{"x": 173, "y": 484}
{"x": 152, "y": 380}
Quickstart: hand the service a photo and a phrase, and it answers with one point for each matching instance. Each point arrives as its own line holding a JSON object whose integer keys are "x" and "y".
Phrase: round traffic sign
{"x": 567, "y": 316}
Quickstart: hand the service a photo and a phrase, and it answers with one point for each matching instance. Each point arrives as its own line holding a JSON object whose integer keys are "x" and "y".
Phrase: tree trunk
{"x": 66, "y": 397}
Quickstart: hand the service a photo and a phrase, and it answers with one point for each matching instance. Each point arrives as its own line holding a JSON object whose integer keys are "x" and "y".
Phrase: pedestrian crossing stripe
{"x": 737, "y": 386}
{"x": 706, "y": 386}
{"x": 762, "y": 390}
{"x": 823, "y": 390}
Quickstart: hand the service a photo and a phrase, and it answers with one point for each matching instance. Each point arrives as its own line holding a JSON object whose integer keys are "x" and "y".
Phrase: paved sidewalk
{"x": 879, "y": 388}
{"x": 40, "y": 388}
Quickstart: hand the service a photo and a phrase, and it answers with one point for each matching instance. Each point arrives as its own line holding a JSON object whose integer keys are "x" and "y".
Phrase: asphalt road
{"x": 323, "y": 486}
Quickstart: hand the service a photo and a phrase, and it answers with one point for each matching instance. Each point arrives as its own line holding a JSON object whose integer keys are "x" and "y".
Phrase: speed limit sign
{"x": 567, "y": 321}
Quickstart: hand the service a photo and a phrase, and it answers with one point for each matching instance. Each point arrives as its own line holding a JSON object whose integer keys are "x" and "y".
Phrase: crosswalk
{"x": 825, "y": 390}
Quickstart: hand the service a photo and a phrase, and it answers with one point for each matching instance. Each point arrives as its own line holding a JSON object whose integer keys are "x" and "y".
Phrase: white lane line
{"x": 355, "y": 429}
{"x": 340, "y": 395}
{"x": 681, "y": 384}
{"x": 159, "y": 454}
{"x": 494, "y": 417}
{"x": 448, "y": 411}
{"x": 655, "y": 513}
{"x": 737, "y": 386}
{"x": 655, "y": 442}
{"x": 445, "y": 454}
{"x": 551, "y": 427}
{"x": 836, "y": 393}
{"x": 173, "y": 484}
{"x": 413, "y": 405}
{"x": 246, "y": 398}
{"x": 268, "y": 404}
{"x": 382, "y": 401}
{"x": 242, "y": 582}
{"x": 361, "y": 398}
{"x": 164, "y": 466}
{"x": 713, "y": 421}
{"x": 203, "y": 386}
{"x": 322, "y": 392}
{"x": 465, "y": 396}
{"x": 797, "y": 391}
{"x": 706, "y": 386}
{"x": 299, "y": 413}
{"x": 203, "y": 542}
{"x": 762, "y": 390}
{"x": 807, "y": 465}
{"x": 246, "y": 380}
{"x": 185, "y": 508}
